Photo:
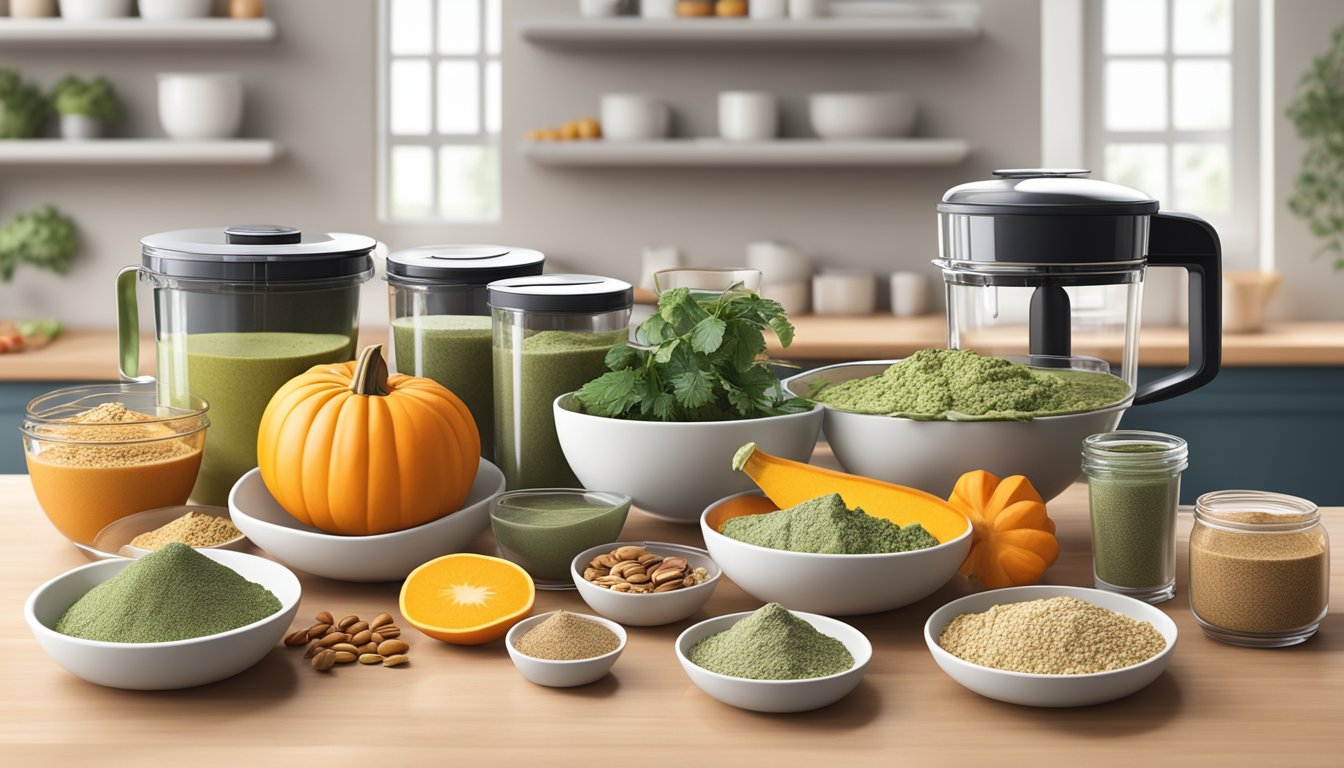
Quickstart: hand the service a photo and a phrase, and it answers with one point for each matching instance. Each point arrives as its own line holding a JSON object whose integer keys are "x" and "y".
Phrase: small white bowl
{"x": 381, "y": 557}
{"x": 196, "y": 106}
{"x": 834, "y": 585}
{"x": 115, "y": 539}
{"x": 563, "y": 674}
{"x": 1036, "y": 690}
{"x": 648, "y": 610}
{"x": 777, "y": 695}
{"x": 161, "y": 666}
{"x": 846, "y": 115}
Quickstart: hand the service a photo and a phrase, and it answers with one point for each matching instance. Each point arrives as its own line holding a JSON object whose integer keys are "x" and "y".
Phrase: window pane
{"x": 459, "y": 97}
{"x": 411, "y": 183}
{"x": 410, "y": 97}
{"x": 1202, "y": 98}
{"x": 409, "y": 27}
{"x": 493, "y": 25}
{"x": 1135, "y": 26}
{"x": 1141, "y": 166}
{"x": 469, "y": 182}
{"x": 1202, "y": 178}
{"x": 459, "y": 27}
{"x": 494, "y": 88}
{"x": 1136, "y": 95}
{"x": 1201, "y": 26}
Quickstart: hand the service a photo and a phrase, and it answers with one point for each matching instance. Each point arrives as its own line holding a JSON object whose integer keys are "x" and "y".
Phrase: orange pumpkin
{"x": 1014, "y": 539}
{"x": 351, "y": 450}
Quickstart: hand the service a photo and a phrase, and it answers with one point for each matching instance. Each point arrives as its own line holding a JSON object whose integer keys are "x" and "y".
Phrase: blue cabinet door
{"x": 14, "y": 397}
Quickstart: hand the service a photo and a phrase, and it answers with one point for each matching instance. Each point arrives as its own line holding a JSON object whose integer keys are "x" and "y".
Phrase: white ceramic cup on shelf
{"x": 634, "y": 117}
{"x": 844, "y": 292}
{"x": 748, "y": 115}
{"x": 96, "y": 10}
{"x": 200, "y": 105}
{"x": 768, "y": 9}
{"x": 658, "y": 9}
{"x": 778, "y": 262}
{"x": 909, "y": 294}
{"x": 595, "y": 9}
{"x": 175, "y": 9}
{"x": 809, "y": 9}
{"x": 795, "y": 296}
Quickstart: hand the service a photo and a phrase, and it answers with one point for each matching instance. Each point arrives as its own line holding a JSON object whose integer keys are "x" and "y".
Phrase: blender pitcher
{"x": 238, "y": 311}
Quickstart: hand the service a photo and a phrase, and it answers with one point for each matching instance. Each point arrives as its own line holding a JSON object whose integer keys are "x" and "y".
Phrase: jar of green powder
{"x": 440, "y": 322}
{"x": 550, "y": 336}
{"x": 1134, "y": 483}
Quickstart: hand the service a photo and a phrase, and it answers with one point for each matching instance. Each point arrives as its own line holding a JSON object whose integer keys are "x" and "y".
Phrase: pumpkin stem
{"x": 370, "y": 377}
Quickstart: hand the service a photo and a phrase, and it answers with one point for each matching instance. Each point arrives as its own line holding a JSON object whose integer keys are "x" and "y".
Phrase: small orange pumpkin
{"x": 1014, "y": 539}
{"x": 351, "y": 450}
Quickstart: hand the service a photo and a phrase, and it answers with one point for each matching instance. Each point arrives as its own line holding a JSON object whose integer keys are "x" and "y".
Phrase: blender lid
{"x": 1046, "y": 192}
{"x": 257, "y": 253}
{"x": 475, "y": 264}
{"x": 561, "y": 293}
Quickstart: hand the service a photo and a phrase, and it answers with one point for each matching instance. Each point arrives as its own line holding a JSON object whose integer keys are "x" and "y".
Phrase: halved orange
{"x": 467, "y": 599}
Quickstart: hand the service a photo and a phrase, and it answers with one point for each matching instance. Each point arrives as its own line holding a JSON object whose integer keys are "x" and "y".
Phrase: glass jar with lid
{"x": 551, "y": 335}
{"x": 440, "y": 321}
{"x": 1259, "y": 568}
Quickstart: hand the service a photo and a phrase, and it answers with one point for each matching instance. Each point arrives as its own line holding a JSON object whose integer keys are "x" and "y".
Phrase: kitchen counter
{"x": 1215, "y": 705}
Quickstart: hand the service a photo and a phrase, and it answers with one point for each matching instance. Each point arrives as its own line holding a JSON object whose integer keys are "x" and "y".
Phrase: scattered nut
{"x": 345, "y": 657}
{"x": 370, "y": 658}
{"x": 323, "y": 661}
{"x": 368, "y": 648}
{"x": 375, "y": 638}
{"x": 381, "y": 620}
{"x": 347, "y": 647}
{"x": 299, "y": 637}
{"x": 318, "y": 630}
{"x": 330, "y": 642}
{"x": 396, "y": 660}
{"x": 357, "y": 627}
{"x": 347, "y": 621}
{"x": 393, "y": 647}
{"x": 332, "y": 639}
{"x": 312, "y": 651}
{"x": 390, "y": 631}
{"x": 360, "y": 638}
{"x": 324, "y": 617}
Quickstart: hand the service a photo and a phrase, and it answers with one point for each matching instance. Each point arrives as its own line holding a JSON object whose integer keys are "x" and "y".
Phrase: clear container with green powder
{"x": 1134, "y": 483}
{"x": 551, "y": 335}
{"x": 543, "y": 529}
{"x": 440, "y": 321}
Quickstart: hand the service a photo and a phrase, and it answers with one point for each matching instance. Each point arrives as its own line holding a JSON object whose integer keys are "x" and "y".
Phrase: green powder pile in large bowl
{"x": 826, "y": 526}
{"x": 772, "y": 644}
{"x": 962, "y": 385}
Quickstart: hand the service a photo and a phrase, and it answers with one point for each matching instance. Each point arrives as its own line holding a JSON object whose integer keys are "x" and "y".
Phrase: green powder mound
{"x": 772, "y": 644}
{"x": 826, "y": 526}
{"x": 173, "y": 594}
{"x": 962, "y": 385}
{"x": 560, "y": 342}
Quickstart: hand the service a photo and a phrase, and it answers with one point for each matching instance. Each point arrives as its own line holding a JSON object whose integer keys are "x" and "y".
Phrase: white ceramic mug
{"x": 748, "y": 116}
{"x": 778, "y": 262}
{"x": 658, "y": 9}
{"x": 175, "y": 9}
{"x": 808, "y": 9}
{"x": 909, "y": 294}
{"x": 594, "y": 9}
{"x": 844, "y": 292}
{"x": 769, "y": 9}
{"x": 634, "y": 117}
{"x": 794, "y": 295}
{"x": 200, "y": 105}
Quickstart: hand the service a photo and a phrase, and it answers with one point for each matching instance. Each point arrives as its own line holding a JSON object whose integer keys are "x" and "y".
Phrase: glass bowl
{"x": 542, "y": 529}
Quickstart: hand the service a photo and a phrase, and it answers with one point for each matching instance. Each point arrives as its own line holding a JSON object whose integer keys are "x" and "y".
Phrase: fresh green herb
{"x": 43, "y": 238}
{"x": 704, "y": 362}
{"x": 91, "y": 98}
{"x": 1317, "y": 113}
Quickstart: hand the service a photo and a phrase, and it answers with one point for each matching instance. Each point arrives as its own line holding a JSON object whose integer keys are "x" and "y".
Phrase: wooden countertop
{"x": 1215, "y": 705}
{"x": 91, "y": 355}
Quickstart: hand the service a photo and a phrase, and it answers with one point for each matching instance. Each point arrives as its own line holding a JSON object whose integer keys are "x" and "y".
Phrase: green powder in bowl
{"x": 772, "y": 644}
{"x": 543, "y": 529}
{"x": 826, "y": 526}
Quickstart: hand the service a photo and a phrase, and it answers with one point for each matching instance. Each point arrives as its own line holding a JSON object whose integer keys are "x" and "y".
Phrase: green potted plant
{"x": 1318, "y": 115}
{"x": 85, "y": 106}
{"x": 23, "y": 109}
{"x": 43, "y": 238}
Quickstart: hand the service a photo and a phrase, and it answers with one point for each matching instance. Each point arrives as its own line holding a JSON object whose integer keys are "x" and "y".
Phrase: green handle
{"x": 128, "y": 325}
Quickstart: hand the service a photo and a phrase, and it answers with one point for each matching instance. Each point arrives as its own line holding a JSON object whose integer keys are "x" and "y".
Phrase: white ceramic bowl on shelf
{"x": 614, "y": 455}
{"x": 777, "y": 695}
{"x": 156, "y": 10}
{"x": 95, "y": 10}
{"x": 854, "y": 115}
{"x": 381, "y": 557}
{"x": 1050, "y": 690}
{"x": 161, "y": 666}
{"x": 648, "y": 610}
{"x": 196, "y": 106}
{"x": 563, "y": 674}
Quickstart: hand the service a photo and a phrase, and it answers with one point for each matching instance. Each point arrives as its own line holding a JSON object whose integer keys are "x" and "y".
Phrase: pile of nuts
{"x": 640, "y": 572}
{"x": 331, "y": 642}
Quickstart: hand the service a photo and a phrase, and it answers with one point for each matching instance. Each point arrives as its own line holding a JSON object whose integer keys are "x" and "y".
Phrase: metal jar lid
{"x": 258, "y": 253}
{"x": 580, "y": 294}
{"x": 474, "y": 264}
{"x": 1046, "y": 192}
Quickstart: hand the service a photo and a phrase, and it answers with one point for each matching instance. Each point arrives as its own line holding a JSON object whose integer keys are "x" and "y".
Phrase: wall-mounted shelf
{"x": 39, "y": 33}
{"x": 691, "y": 33}
{"x": 718, "y": 153}
{"x": 137, "y": 152}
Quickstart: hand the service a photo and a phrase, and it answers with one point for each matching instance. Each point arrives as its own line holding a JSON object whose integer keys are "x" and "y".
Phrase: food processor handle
{"x": 128, "y": 326}
{"x": 1187, "y": 241}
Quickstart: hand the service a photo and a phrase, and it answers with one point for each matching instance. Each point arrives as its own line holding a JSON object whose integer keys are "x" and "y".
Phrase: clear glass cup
{"x": 707, "y": 279}
{"x": 543, "y": 529}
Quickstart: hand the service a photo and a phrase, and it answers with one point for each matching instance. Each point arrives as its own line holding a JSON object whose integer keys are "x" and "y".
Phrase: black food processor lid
{"x": 258, "y": 253}
{"x": 561, "y": 293}
{"x": 1046, "y": 192}
{"x": 475, "y": 264}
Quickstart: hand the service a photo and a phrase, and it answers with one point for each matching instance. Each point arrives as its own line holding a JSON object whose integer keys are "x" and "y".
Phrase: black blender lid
{"x": 257, "y": 253}
{"x": 561, "y": 293}
{"x": 475, "y": 264}
{"x": 1046, "y": 192}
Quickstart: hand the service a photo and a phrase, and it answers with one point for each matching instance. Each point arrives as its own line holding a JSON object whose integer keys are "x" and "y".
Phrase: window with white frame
{"x": 1172, "y": 108}
{"x": 439, "y": 113}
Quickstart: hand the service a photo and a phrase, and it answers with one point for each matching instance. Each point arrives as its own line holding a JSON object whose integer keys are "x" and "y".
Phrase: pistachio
{"x": 381, "y": 620}
{"x": 396, "y": 660}
{"x": 324, "y": 617}
{"x": 370, "y": 658}
{"x": 393, "y": 647}
{"x": 297, "y": 638}
{"x": 323, "y": 661}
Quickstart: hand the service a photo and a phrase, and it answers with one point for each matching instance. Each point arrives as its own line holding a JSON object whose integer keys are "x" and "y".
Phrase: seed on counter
{"x": 396, "y": 660}
{"x": 381, "y": 620}
{"x": 325, "y": 617}
{"x": 330, "y": 642}
{"x": 370, "y": 658}
{"x": 393, "y": 647}
{"x": 324, "y": 660}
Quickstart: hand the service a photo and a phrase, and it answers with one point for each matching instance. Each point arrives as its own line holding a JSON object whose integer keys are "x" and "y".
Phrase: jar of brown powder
{"x": 1259, "y": 568}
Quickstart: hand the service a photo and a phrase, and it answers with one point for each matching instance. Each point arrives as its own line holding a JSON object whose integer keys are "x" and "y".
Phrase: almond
{"x": 393, "y": 647}
{"x": 324, "y": 617}
{"x": 396, "y": 660}
{"x": 347, "y": 647}
{"x": 297, "y": 638}
{"x": 323, "y": 661}
{"x": 357, "y": 627}
{"x": 318, "y": 630}
{"x": 332, "y": 639}
{"x": 381, "y": 620}
{"x": 390, "y": 631}
{"x": 362, "y": 637}
{"x": 368, "y": 648}
{"x": 376, "y": 638}
{"x": 345, "y": 657}
{"x": 370, "y": 658}
{"x": 347, "y": 621}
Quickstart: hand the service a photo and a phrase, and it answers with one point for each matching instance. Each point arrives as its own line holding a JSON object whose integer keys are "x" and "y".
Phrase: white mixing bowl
{"x": 844, "y": 115}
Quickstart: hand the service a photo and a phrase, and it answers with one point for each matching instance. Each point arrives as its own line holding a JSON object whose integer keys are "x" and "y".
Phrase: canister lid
{"x": 1046, "y": 192}
{"x": 257, "y": 253}
{"x": 474, "y": 264}
{"x": 561, "y": 293}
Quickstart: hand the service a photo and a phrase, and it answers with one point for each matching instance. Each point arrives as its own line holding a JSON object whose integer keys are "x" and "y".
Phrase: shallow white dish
{"x": 613, "y": 455}
{"x": 777, "y": 695}
{"x": 856, "y": 115}
{"x": 1050, "y": 690}
{"x": 381, "y": 557}
{"x": 563, "y": 674}
{"x": 649, "y": 610}
{"x": 931, "y": 455}
{"x": 115, "y": 539}
{"x": 834, "y": 585}
{"x": 161, "y": 666}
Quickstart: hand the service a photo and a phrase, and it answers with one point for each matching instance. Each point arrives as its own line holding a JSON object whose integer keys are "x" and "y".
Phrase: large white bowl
{"x": 648, "y": 610}
{"x": 1050, "y": 690}
{"x": 161, "y": 666}
{"x": 697, "y": 466}
{"x": 200, "y": 105}
{"x": 846, "y": 115}
{"x": 834, "y": 585}
{"x": 381, "y": 557}
{"x": 563, "y": 674}
{"x": 931, "y": 455}
{"x": 777, "y": 695}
